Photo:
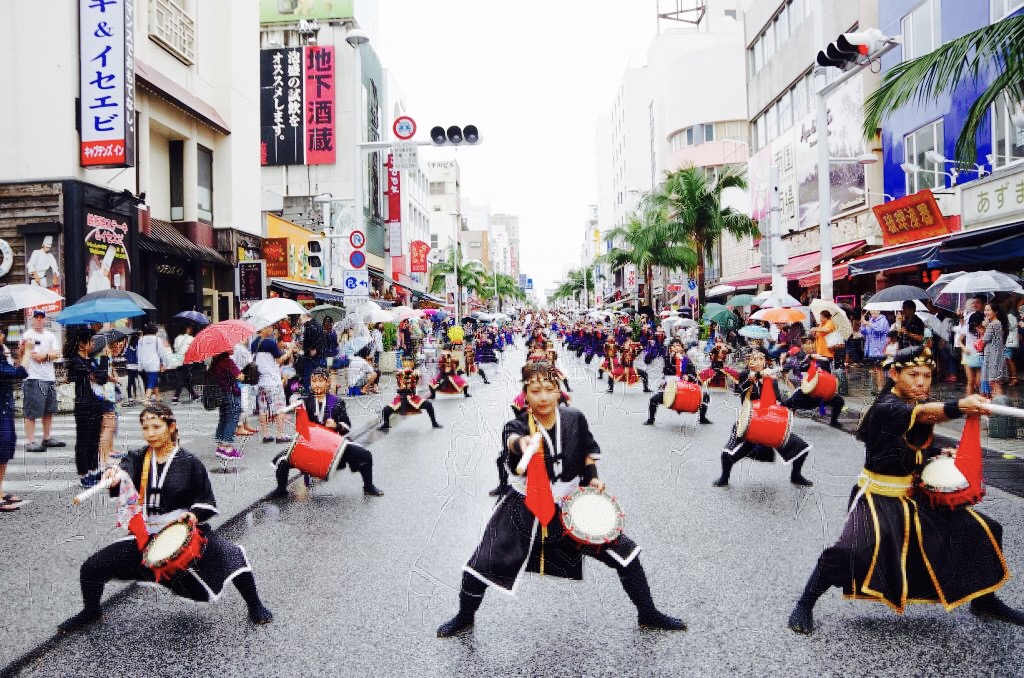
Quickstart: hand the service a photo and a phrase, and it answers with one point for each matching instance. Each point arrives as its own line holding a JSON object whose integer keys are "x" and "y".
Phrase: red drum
{"x": 954, "y": 483}
{"x": 682, "y": 396}
{"x": 318, "y": 456}
{"x": 819, "y": 383}
{"x": 767, "y": 423}
{"x": 173, "y": 549}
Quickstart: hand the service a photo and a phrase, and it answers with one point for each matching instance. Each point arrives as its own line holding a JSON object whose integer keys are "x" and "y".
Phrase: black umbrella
{"x": 137, "y": 299}
{"x": 899, "y": 293}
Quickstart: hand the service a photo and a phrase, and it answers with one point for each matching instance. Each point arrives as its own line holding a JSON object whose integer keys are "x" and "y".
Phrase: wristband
{"x": 589, "y": 473}
{"x": 951, "y": 408}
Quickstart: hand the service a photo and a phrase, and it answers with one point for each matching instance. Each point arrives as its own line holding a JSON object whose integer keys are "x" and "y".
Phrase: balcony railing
{"x": 173, "y": 29}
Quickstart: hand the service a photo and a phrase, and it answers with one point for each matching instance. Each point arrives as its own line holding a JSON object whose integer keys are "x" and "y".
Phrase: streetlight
{"x": 911, "y": 168}
{"x": 857, "y": 190}
{"x": 939, "y": 159}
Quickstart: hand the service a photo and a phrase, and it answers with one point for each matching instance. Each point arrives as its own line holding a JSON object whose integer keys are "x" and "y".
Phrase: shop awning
{"x": 983, "y": 246}
{"x": 804, "y": 264}
{"x": 149, "y": 78}
{"x": 751, "y": 277}
{"x": 316, "y": 291}
{"x": 164, "y": 238}
{"x": 428, "y": 297}
{"x": 839, "y": 272}
{"x": 898, "y": 256}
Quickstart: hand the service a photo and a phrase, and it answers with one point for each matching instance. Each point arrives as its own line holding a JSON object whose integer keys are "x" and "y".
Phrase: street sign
{"x": 405, "y": 155}
{"x": 529, "y": 284}
{"x": 357, "y": 238}
{"x": 404, "y": 127}
{"x": 676, "y": 278}
{"x": 357, "y": 259}
{"x": 356, "y": 284}
{"x": 631, "y": 277}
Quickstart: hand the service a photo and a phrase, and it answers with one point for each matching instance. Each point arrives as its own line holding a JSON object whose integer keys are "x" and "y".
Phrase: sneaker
{"x": 268, "y": 439}
{"x": 32, "y": 447}
{"x": 281, "y": 440}
{"x": 174, "y": 401}
{"x": 54, "y": 443}
{"x": 228, "y": 453}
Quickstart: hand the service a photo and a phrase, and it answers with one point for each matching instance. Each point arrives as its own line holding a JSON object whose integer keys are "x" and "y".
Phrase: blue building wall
{"x": 958, "y": 17}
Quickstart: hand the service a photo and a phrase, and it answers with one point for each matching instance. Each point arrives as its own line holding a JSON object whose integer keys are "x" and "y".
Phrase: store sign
{"x": 250, "y": 281}
{"x": 320, "y": 95}
{"x": 106, "y": 56}
{"x": 994, "y": 201}
{"x": 282, "y": 126}
{"x": 394, "y": 192}
{"x": 106, "y": 254}
{"x": 395, "y": 239}
{"x": 275, "y": 253}
{"x": 631, "y": 277}
{"x": 911, "y": 218}
{"x": 418, "y": 253}
{"x": 170, "y": 270}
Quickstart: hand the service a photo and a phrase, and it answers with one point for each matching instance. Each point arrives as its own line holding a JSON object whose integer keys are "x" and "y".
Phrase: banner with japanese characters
{"x": 282, "y": 122}
{"x": 319, "y": 78}
{"x": 106, "y": 252}
{"x": 418, "y": 252}
{"x": 107, "y": 82}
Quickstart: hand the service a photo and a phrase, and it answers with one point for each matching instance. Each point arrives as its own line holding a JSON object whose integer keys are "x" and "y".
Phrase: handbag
{"x": 213, "y": 395}
{"x": 834, "y": 338}
{"x": 251, "y": 373}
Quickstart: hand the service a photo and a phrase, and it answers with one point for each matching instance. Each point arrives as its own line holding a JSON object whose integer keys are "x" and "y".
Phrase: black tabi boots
{"x": 801, "y": 619}
{"x": 634, "y": 583}
{"x": 470, "y": 597}
{"x": 727, "y": 463}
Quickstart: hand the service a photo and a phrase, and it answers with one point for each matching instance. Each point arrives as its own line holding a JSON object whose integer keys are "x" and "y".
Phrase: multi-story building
{"x": 510, "y": 224}
{"x": 155, "y": 187}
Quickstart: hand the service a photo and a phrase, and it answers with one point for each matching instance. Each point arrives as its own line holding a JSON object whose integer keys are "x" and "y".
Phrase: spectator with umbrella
{"x": 993, "y": 346}
{"x": 85, "y": 372}
{"x": 911, "y": 327}
{"x": 184, "y": 370}
{"x": 875, "y": 329}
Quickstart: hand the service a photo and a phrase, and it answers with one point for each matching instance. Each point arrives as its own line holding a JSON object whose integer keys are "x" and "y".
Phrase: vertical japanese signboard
{"x": 107, "y": 82}
{"x": 418, "y": 252}
{"x": 320, "y": 147}
{"x": 394, "y": 222}
{"x": 281, "y": 113}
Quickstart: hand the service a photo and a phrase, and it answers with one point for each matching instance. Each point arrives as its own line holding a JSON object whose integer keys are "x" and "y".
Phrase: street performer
{"x": 611, "y": 356}
{"x": 794, "y": 451}
{"x": 172, "y": 484}
{"x": 329, "y": 411}
{"x": 525, "y": 530}
{"x": 625, "y": 372}
{"x": 895, "y": 547}
{"x": 449, "y": 377}
{"x": 809, "y": 364}
{"x": 407, "y": 401}
{"x": 679, "y": 368}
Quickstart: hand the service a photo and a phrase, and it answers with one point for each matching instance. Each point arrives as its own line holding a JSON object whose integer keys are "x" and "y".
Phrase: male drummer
{"x": 794, "y": 451}
{"x": 802, "y": 401}
{"x": 407, "y": 401}
{"x": 329, "y": 411}
{"x": 895, "y": 548}
{"x": 677, "y": 367}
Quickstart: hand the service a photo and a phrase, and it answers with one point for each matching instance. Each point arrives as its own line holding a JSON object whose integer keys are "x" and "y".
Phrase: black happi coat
{"x": 512, "y": 539}
{"x": 899, "y": 550}
{"x": 794, "y": 448}
{"x": 182, "y": 484}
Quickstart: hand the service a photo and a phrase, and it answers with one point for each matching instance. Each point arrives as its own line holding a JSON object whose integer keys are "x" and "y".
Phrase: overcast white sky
{"x": 533, "y": 75}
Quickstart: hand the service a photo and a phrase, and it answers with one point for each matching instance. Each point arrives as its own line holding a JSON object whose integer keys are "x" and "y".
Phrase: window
{"x": 762, "y": 132}
{"x": 796, "y": 14}
{"x": 176, "y": 158}
{"x": 768, "y": 37}
{"x": 921, "y": 30}
{"x": 801, "y": 97}
{"x": 786, "y": 111}
{"x": 689, "y": 136}
{"x": 730, "y": 13}
{"x": 915, "y": 145}
{"x": 709, "y": 132}
{"x": 172, "y": 28}
{"x": 1007, "y": 138}
{"x": 433, "y": 240}
{"x": 773, "y": 122}
{"x": 436, "y": 188}
{"x": 204, "y": 186}
{"x": 758, "y": 55}
{"x": 1004, "y": 8}
{"x": 782, "y": 28}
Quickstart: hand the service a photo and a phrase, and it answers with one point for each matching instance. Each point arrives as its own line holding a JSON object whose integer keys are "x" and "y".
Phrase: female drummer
{"x": 508, "y": 545}
{"x": 750, "y": 385}
{"x": 449, "y": 377}
{"x": 893, "y": 548}
{"x": 677, "y": 366}
{"x": 802, "y": 401}
{"x": 172, "y": 484}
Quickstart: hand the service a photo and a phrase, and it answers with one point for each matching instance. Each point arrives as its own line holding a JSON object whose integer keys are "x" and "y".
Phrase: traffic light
{"x": 454, "y": 135}
{"x": 851, "y": 49}
{"x": 314, "y": 254}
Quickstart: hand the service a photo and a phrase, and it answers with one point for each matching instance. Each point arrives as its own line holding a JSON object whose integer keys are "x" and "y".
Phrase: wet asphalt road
{"x": 358, "y": 585}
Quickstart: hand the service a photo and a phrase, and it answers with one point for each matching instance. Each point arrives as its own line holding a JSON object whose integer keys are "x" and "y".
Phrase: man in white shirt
{"x": 40, "y": 388}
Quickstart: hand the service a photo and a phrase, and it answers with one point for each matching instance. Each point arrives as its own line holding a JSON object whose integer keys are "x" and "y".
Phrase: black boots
{"x": 470, "y": 597}
{"x": 81, "y": 620}
{"x": 801, "y": 619}
{"x": 258, "y": 612}
{"x": 795, "y": 476}
{"x": 727, "y": 463}
{"x": 652, "y": 409}
{"x": 634, "y": 583}
{"x": 990, "y": 606}
{"x": 704, "y": 415}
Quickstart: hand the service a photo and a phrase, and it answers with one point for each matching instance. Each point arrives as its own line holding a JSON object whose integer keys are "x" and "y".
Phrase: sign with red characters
{"x": 320, "y": 144}
{"x": 910, "y": 218}
{"x": 418, "y": 251}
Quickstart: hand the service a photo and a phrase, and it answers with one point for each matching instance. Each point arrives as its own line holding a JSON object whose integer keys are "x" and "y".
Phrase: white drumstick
{"x": 530, "y": 451}
{"x": 1015, "y": 412}
{"x": 96, "y": 489}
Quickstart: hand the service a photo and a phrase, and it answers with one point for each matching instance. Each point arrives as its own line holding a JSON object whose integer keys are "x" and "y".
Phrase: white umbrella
{"x": 719, "y": 290}
{"x": 978, "y": 282}
{"x": 405, "y": 312}
{"x": 892, "y": 305}
{"x": 378, "y": 316}
{"x": 839, "y": 317}
{"x": 767, "y": 300}
{"x": 19, "y": 295}
{"x": 931, "y": 320}
{"x": 273, "y": 309}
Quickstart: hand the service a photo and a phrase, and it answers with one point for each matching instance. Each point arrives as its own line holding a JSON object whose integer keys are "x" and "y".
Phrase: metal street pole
{"x": 777, "y": 247}
{"x": 824, "y": 185}
{"x": 357, "y": 38}
{"x": 455, "y": 264}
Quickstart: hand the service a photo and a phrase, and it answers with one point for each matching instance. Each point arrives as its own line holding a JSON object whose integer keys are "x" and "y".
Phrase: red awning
{"x": 805, "y": 264}
{"x": 839, "y": 272}
{"x": 752, "y": 276}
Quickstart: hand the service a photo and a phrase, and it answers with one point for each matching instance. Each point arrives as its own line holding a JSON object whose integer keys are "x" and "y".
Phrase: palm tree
{"x": 693, "y": 204}
{"x": 507, "y": 288}
{"x": 997, "y": 48}
{"x": 649, "y": 241}
{"x": 580, "y": 282}
{"x": 471, "y": 274}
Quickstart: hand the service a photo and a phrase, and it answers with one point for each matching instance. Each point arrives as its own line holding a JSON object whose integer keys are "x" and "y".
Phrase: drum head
{"x": 940, "y": 474}
{"x": 166, "y": 544}
{"x": 744, "y": 419}
{"x": 592, "y": 517}
{"x": 669, "y": 398}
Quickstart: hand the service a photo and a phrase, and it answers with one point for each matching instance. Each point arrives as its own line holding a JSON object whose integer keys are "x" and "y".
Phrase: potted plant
{"x": 389, "y": 360}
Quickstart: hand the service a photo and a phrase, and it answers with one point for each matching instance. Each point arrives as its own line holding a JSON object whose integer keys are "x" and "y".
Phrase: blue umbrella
{"x": 193, "y": 316}
{"x": 98, "y": 311}
{"x": 754, "y": 332}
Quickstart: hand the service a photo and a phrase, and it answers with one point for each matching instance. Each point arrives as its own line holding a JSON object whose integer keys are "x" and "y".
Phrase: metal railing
{"x": 172, "y": 28}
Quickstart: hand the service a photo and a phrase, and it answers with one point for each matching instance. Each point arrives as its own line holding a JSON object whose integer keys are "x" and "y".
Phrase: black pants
{"x": 356, "y": 457}
{"x": 134, "y": 377}
{"x": 640, "y": 373}
{"x": 88, "y": 420}
{"x": 801, "y": 401}
{"x": 184, "y": 380}
{"x": 426, "y": 406}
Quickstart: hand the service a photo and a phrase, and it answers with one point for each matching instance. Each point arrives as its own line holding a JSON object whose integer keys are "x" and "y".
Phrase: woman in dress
{"x": 172, "y": 484}
{"x": 993, "y": 366}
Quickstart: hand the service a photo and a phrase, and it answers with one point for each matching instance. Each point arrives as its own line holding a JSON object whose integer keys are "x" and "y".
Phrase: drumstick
{"x": 96, "y": 489}
{"x": 1015, "y": 412}
{"x": 528, "y": 454}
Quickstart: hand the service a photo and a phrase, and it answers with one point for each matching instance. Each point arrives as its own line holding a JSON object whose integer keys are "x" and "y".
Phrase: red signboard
{"x": 911, "y": 218}
{"x": 320, "y": 143}
{"x": 275, "y": 253}
{"x": 418, "y": 251}
{"x": 394, "y": 192}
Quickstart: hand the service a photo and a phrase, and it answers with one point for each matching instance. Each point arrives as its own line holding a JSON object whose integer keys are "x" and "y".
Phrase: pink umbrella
{"x": 218, "y": 338}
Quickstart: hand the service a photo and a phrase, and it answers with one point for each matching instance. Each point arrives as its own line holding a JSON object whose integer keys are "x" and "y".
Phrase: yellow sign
{"x": 298, "y": 241}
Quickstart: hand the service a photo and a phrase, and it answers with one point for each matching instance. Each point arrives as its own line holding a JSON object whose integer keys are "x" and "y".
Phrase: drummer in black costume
{"x": 802, "y": 401}
{"x": 677, "y": 366}
{"x": 172, "y": 484}
{"x": 793, "y": 452}
{"x": 329, "y": 411}
{"x": 570, "y": 456}
{"x": 894, "y": 548}
{"x": 407, "y": 402}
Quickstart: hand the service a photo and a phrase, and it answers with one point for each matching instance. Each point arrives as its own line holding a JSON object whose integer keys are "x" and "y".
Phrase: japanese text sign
{"x": 394, "y": 192}
{"x": 275, "y": 253}
{"x": 282, "y": 126}
{"x": 320, "y": 146}
{"x": 106, "y": 51}
{"x": 418, "y": 252}
{"x": 995, "y": 201}
{"x": 911, "y": 218}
